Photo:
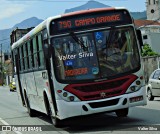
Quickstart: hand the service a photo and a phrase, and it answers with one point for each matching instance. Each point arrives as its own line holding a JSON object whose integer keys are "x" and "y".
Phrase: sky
{"x": 15, "y": 11}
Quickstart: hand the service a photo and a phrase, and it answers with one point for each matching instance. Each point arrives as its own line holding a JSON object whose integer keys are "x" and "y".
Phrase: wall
{"x": 149, "y": 65}
{"x": 155, "y": 41}
{"x": 153, "y": 35}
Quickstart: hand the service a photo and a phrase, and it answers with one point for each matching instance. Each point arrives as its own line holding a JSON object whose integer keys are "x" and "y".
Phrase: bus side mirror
{"x": 47, "y": 51}
{"x": 139, "y": 36}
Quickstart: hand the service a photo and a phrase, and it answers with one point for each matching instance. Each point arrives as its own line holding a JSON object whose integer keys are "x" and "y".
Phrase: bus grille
{"x": 101, "y": 90}
{"x": 101, "y": 87}
{"x": 104, "y": 103}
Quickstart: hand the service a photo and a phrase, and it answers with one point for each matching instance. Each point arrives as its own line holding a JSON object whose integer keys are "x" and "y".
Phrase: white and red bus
{"x": 80, "y": 63}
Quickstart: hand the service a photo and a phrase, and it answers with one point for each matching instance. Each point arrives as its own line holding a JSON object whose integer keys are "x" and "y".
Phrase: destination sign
{"x": 88, "y": 21}
{"x": 92, "y": 20}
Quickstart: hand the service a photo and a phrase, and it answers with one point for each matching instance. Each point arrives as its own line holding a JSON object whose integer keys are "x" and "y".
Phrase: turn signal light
{"x": 59, "y": 91}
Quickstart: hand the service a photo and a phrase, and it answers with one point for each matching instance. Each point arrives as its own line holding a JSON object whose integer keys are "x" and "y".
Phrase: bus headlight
{"x": 135, "y": 86}
{"x": 71, "y": 98}
{"x": 138, "y": 82}
{"x": 67, "y": 96}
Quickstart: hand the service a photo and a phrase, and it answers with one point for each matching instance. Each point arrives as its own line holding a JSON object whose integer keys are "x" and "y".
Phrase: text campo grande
{"x": 102, "y": 19}
{"x": 89, "y": 21}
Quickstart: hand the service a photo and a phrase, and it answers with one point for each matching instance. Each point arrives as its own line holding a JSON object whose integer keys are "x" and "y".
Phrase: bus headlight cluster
{"x": 135, "y": 86}
{"x": 138, "y": 82}
{"x": 67, "y": 96}
{"x": 71, "y": 98}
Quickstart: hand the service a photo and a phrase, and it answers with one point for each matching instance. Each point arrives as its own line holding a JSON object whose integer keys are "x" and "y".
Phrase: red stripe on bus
{"x": 92, "y": 91}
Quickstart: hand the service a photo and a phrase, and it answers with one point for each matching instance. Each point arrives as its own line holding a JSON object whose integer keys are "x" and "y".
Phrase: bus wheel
{"x": 122, "y": 112}
{"x": 31, "y": 112}
{"x": 55, "y": 121}
{"x": 149, "y": 95}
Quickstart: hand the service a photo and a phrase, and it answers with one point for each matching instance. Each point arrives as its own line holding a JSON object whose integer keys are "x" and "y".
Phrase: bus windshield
{"x": 96, "y": 55}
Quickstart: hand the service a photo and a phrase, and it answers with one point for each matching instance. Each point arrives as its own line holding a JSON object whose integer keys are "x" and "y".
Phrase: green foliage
{"x": 147, "y": 51}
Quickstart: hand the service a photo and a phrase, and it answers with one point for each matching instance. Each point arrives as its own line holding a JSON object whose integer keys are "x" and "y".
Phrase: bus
{"x": 80, "y": 63}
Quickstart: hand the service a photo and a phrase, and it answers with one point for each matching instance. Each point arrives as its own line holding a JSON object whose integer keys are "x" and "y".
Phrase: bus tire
{"x": 122, "y": 112}
{"x": 31, "y": 112}
{"x": 149, "y": 95}
{"x": 55, "y": 121}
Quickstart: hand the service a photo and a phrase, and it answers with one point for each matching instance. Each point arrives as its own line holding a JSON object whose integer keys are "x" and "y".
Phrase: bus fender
{"x": 47, "y": 102}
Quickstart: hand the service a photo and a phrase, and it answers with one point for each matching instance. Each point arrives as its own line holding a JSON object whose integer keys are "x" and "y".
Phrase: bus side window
{"x": 35, "y": 52}
{"x": 31, "y": 50}
{"x": 19, "y": 59}
{"x": 40, "y": 51}
{"x": 27, "y": 56}
{"x": 14, "y": 53}
{"x": 46, "y": 50}
{"x": 24, "y": 57}
{"x": 37, "y": 45}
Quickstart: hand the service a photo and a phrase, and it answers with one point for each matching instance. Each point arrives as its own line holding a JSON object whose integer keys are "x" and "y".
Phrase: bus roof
{"x": 45, "y": 23}
{"x": 92, "y": 11}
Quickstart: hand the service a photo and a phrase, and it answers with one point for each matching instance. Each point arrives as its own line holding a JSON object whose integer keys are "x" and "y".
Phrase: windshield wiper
{"x": 85, "y": 48}
{"x": 110, "y": 36}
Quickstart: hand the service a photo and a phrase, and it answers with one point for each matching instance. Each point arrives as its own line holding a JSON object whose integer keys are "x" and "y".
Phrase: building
{"x": 150, "y": 33}
{"x": 7, "y": 73}
{"x": 150, "y": 28}
{"x": 3, "y": 57}
{"x": 153, "y": 9}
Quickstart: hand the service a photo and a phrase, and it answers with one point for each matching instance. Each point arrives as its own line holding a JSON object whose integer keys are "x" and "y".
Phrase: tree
{"x": 147, "y": 51}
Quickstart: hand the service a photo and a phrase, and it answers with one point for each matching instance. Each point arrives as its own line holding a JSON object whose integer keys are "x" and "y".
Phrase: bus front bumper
{"x": 72, "y": 109}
